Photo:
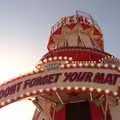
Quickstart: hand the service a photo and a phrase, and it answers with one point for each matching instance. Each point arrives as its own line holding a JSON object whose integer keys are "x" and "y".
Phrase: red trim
{"x": 81, "y": 54}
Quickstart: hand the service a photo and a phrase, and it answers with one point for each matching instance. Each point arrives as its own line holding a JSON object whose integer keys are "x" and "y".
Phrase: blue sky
{"x": 25, "y": 27}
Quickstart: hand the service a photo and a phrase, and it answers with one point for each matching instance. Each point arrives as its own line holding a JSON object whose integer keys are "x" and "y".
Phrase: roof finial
{"x": 76, "y": 12}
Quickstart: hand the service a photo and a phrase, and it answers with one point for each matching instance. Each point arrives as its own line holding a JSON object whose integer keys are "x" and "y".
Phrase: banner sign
{"x": 88, "y": 77}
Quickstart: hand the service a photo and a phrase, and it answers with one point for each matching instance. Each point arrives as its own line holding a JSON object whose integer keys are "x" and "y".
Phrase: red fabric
{"x": 60, "y": 114}
{"x": 96, "y": 113}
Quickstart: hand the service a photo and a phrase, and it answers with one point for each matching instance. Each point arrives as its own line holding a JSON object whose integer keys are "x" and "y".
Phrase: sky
{"x": 24, "y": 31}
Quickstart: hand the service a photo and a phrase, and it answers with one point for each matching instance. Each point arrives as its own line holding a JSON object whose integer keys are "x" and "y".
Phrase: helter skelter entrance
{"x": 76, "y": 79}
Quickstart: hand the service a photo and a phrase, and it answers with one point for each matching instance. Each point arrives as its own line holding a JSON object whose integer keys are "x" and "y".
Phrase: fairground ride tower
{"x": 75, "y": 80}
{"x": 87, "y": 78}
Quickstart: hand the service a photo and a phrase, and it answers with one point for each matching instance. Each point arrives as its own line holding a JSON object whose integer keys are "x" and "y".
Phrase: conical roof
{"x": 79, "y": 30}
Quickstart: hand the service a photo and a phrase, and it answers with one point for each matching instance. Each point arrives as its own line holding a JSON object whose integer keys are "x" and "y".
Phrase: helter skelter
{"x": 75, "y": 80}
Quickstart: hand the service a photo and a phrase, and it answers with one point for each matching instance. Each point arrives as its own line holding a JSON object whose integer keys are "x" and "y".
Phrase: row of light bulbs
{"x": 36, "y": 92}
{"x": 98, "y": 65}
{"x": 70, "y": 63}
{"x": 109, "y": 57}
{"x": 54, "y": 59}
{"x": 87, "y": 64}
